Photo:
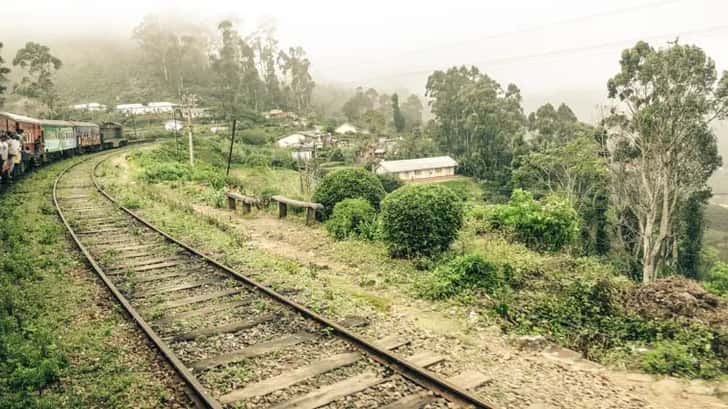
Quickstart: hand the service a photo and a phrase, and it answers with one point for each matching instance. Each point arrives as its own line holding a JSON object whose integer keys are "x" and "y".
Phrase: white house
{"x": 159, "y": 107}
{"x": 131, "y": 108}
{"x": 291, "y": 141}
{"x": 91, "y": 106}
{"x": 345, "y": 129}
{"x": 174, "y": 125}
{"x": 418, "y": 169}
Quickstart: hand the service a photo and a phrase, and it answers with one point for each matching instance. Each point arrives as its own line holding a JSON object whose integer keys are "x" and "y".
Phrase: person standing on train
{"x": 13, "y": 153}
{"x": 19, "y": 158}
{"x": 3, "y": 155}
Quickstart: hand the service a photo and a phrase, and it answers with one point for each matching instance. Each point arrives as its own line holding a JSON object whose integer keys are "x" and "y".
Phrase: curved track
{"x": 232, "y": 340}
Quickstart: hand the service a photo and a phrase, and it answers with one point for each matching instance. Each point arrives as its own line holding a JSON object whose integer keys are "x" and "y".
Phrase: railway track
{"x": 235, "y": 342}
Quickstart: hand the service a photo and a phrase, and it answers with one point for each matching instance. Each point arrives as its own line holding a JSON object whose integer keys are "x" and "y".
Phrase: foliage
{"x": 347, "y": 217}
{"x": 716, "y": 279}
{"x": 421, "y": 220}
{"x": 347, "y": 184}
{"x": 253, "y": 74}
{"x": 578, "y": 171}
{"x": 397, "y": 117}
{"x": 690, "y": 230}
{"x": 40, "y": 68}
{"x": 477, "y": 121}
{"x": 412, "y": 111}
{"x": 390, "y": 182}
{"x": 464, "y": 273}
{"x": 548, "y": 225}
{"x": 664, "y": 149}
{"x": 4, "y": 71}
{"x": 551, "y": 127}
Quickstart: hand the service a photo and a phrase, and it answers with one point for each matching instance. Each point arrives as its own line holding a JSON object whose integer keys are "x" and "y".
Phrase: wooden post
{"x": 282, "y": 210}
{"x": 231, "y": 203}
{"x": 230, "y": 153}
{"x": 246, "y": 207}
{"x": 310, "y": 215}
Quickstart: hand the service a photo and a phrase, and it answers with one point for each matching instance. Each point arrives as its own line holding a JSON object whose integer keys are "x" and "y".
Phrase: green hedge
{"x": 421, "y": 220}
{"x": 348, "y": 184}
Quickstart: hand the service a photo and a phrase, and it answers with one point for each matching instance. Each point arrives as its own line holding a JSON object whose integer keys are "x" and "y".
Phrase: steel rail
{"x": 189, "y": 379}
{"x": 420, "y": 376}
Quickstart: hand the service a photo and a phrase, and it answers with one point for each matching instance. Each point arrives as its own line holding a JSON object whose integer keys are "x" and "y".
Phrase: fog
{"x": 553, "y": 50}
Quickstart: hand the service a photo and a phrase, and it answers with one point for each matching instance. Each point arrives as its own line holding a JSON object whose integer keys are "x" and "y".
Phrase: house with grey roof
{"x": 418, "y": 169}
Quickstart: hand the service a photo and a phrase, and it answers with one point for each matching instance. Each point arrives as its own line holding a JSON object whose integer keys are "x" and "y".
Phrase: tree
{"x": 412, "y": 111}
{"x": 551, "y": 127}
{"x": 374, "y": 120}
{"x": 477, "y": 121}
{"x": 664, "y": 149}
{"x": 4, "y": 71}
{"x": 40, "y": 66}
{"x": 296, "y": 66}
{"x": 397, "y": 117}
{"x": 357, "y": 105}
{"x": 577, "y": 171}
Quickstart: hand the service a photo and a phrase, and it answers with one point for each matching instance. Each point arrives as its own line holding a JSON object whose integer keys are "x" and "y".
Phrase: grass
{"x": 62, "y": 343}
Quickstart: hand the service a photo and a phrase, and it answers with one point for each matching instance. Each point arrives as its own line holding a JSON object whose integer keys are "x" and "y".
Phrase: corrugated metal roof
{"x": 20, "y": 118}
{"x": 417, "y": 164}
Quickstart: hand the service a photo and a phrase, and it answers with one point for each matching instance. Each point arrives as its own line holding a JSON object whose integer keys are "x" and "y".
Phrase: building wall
{"x": 425, "y": 173}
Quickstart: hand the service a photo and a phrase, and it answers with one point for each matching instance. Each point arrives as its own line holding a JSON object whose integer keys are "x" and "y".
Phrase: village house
{"x": 418, "y": 169}
{"x": 346, "y": 128}
{"x": 91, "y": 107}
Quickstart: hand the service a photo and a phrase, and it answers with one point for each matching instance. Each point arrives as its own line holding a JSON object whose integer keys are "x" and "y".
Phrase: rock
{"x": 531, "y": 342}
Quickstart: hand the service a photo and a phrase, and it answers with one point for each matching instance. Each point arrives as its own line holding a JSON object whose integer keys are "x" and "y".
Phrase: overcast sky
{"x": 558, "y": 49}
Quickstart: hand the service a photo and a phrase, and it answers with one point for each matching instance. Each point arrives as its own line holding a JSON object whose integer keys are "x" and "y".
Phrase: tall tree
{"x": 397, "y": 117}
{"x": 4, "y": 71}
{"x": 477, "y": 121}
{"x": 412, "y": 111}
{"x": 665, "y": 150}
{"x": 40, "y": 67}
{"x": 550, "y": 127}
{"x": 296, "y": 66}
{"x": 227, "y": 67}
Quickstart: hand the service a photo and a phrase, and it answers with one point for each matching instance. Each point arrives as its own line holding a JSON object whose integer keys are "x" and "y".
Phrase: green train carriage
{"x": 59, "y": 138}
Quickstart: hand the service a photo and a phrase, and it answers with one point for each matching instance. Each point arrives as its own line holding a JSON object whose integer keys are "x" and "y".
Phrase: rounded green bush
{"x": 348, "y": 216}
{"x": 421, "y": 220}
{"x": 347, "y": 184}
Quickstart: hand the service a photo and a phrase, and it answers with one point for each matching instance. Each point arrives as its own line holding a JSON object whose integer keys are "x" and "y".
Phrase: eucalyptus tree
{"x": 40, "y": 67}
{"x": 397, "y": 117}
{"x": 4, "y": 71}
{"x": 663, "y": 148}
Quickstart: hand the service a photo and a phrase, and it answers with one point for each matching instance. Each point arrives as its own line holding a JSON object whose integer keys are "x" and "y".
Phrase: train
{"x": 46, "y": 140}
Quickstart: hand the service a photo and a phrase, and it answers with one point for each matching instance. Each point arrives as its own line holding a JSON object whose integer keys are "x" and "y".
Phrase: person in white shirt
{"x": 3, "y": 154}
{"x": 13, "y": 153}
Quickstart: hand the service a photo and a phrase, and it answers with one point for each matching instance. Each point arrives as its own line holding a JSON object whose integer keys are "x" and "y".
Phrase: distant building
{"x": 160, "y": 107}
{"x": 174, "y": 125}
{"x": 302, "y": 154}
{"x": 291, "y": 141}
{"x": 418, "y": 169}
{"x": 135, "y": 109}
{"x": 346, "y": 128}
{"x": 91, "y": 106}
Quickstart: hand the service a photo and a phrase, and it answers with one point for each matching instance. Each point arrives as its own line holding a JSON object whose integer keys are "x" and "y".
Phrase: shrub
{"x": 390, "y": 182}
{"x": 165, "y": 171}
{"x": 336, "y": 155}
{"x": 716, "y": 280}
{"x": 348, "y": 184}
{"x": 421, "y": 220}
{"x": 542, "y": 226}
{"x": 348, "y": 216}
{"x": 464, "y": 273}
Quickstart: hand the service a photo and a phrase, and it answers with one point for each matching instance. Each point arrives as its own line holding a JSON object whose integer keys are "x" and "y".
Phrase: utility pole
{"x": 190, "y": 102}
{"x": 176, "y": 132}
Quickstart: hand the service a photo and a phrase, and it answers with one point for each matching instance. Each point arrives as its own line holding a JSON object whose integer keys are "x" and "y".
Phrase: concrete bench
{"x": 247, "y": 201}
{"x": 284, "y": 202}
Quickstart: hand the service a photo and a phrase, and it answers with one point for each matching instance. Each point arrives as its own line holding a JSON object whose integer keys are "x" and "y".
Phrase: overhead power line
{"x": 551, "y": 53}
{"x": 535, "y": 28}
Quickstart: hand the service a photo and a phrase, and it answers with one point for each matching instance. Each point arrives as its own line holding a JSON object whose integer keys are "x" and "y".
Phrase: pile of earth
{"x": 678, "y": 297}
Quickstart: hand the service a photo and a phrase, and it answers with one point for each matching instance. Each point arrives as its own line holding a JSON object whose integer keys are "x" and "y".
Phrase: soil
{"x": 678, "y": 297}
